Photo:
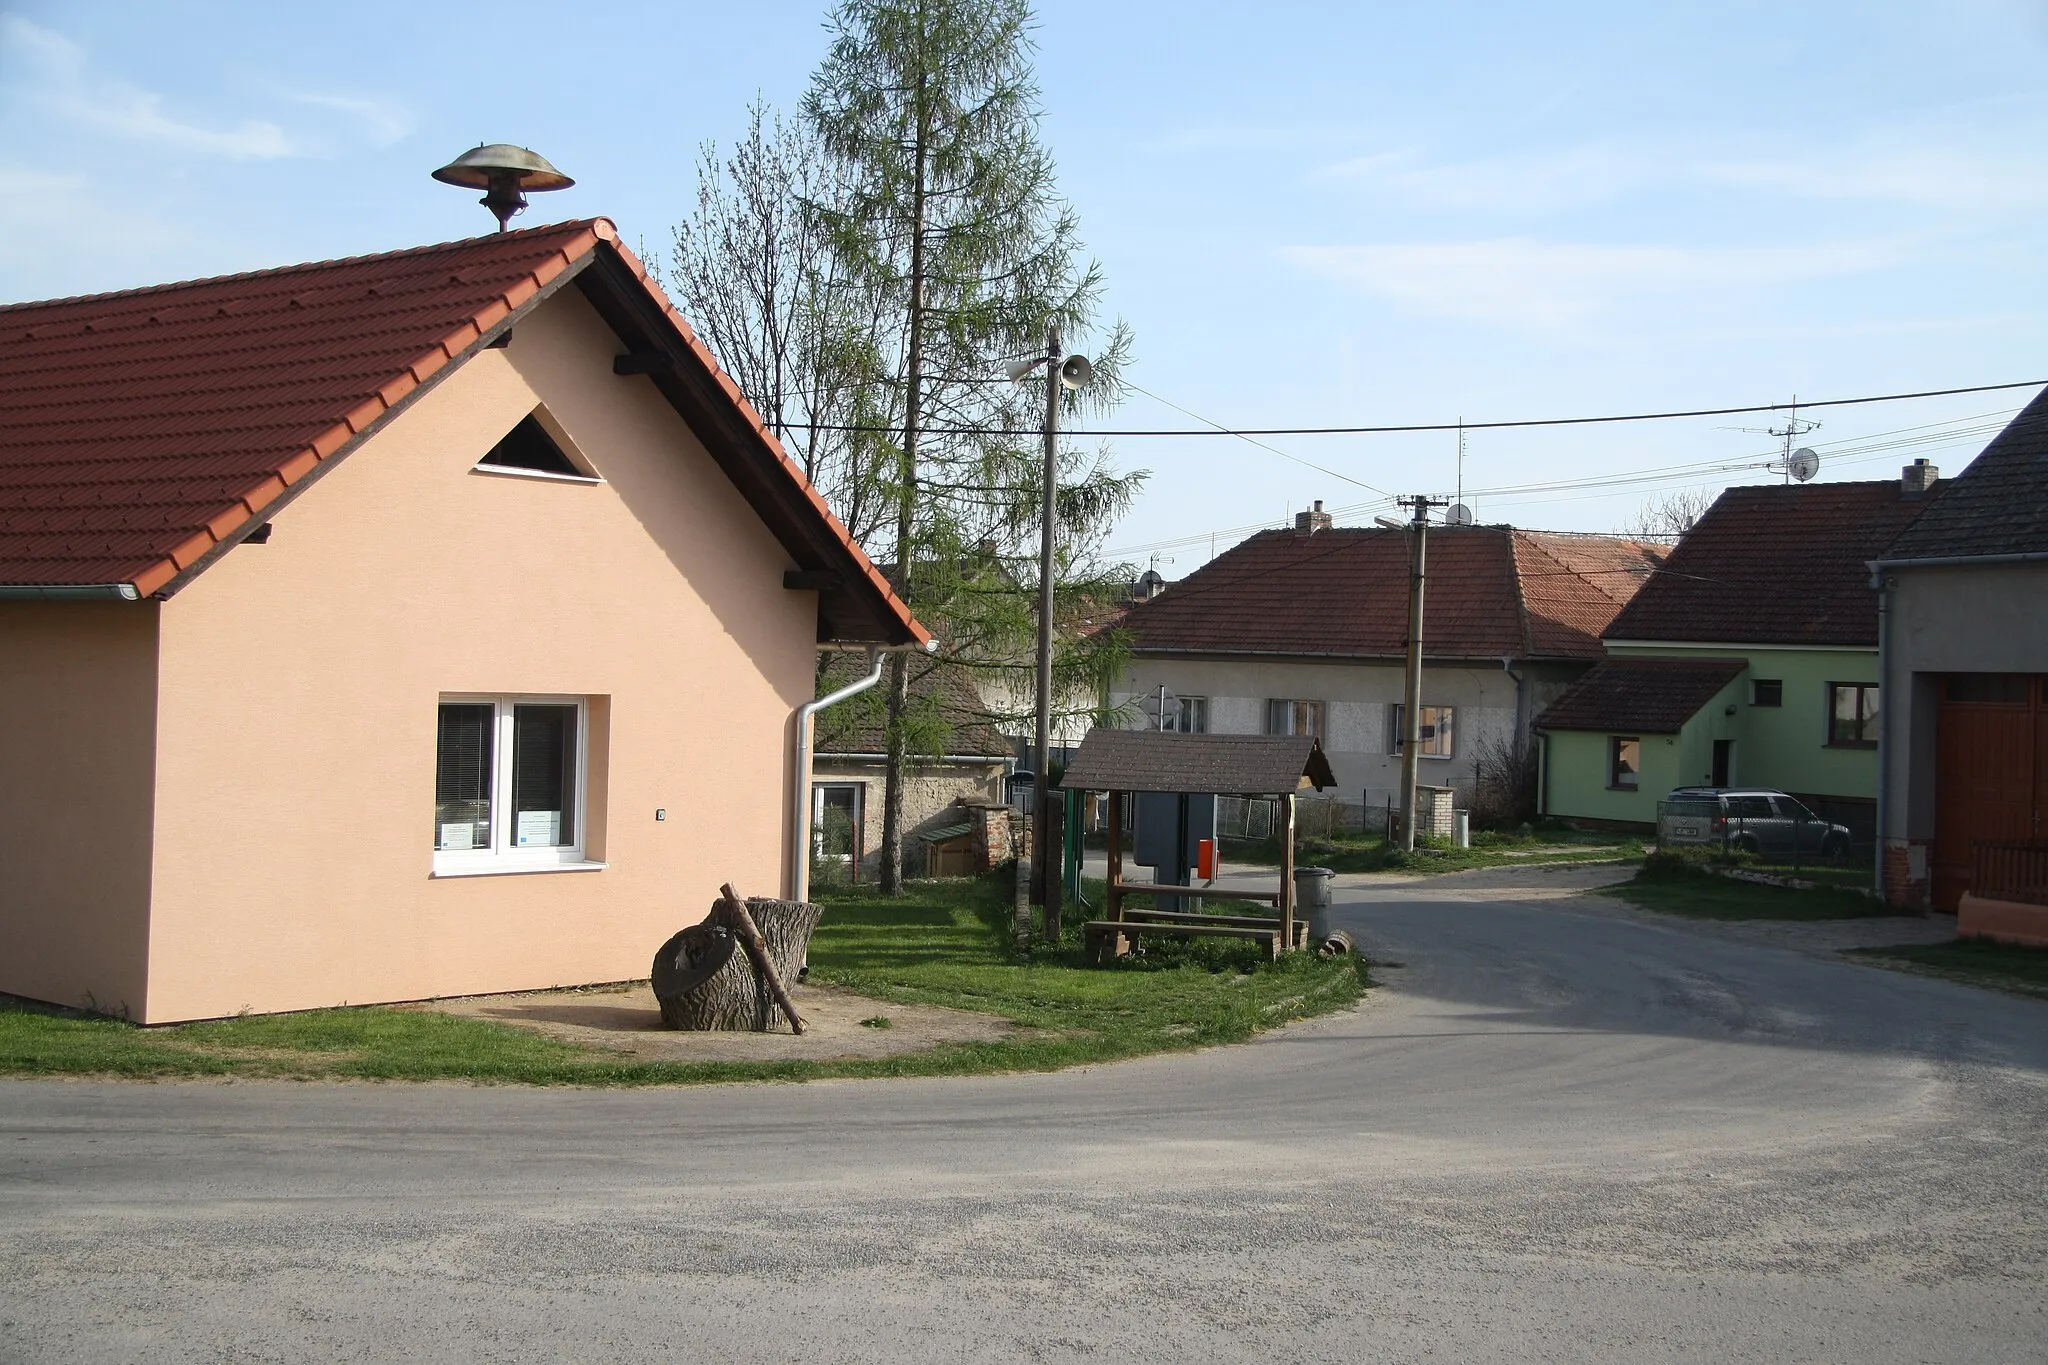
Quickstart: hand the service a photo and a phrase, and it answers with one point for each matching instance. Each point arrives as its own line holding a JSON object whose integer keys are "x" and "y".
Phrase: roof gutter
{"x": 800, "y": 788}
{"x": 1878, "y": 566}
{"x": 68, "y": 592}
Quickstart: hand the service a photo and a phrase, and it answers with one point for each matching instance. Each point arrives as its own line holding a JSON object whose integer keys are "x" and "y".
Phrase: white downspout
{"x": 800, "y": 789}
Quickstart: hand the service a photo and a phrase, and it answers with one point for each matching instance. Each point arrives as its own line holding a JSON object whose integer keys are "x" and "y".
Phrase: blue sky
{"x": 1310, "y": 214}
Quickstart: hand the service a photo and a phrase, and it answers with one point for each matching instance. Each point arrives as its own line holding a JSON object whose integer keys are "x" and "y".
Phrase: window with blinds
{"x": 462, "y": 776}
{"x": 509, "y": 783}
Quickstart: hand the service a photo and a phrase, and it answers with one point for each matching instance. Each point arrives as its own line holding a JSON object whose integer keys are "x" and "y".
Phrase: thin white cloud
{"x": 1540, "y": 181}
{"x": 1550, "y": 285}
{"x": 1939, "y": 164}
{"x": 385, "y": 121}
{"x": 65, "y": 86}
{"x": 1251, "y": 138}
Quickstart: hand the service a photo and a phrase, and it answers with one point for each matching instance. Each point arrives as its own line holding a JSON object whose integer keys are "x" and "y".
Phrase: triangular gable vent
{"x": 530, "y": 448}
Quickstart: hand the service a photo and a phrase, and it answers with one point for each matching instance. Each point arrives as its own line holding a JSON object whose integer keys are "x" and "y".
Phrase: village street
{"x": 1558, "y": 1131}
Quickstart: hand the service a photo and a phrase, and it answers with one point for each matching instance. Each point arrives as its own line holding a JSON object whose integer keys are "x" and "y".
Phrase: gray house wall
{"x": 1989, "y": 618}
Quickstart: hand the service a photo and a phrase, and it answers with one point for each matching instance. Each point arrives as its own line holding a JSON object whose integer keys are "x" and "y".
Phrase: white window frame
{"x": 1399, "y": 731}
{"x": 502, "y": 857}
{"x": 1188, "y": 710}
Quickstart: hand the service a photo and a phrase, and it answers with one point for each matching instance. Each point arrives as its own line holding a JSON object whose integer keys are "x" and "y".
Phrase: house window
{"x": 1285, "y": 717}
{"x": 509, "y": 784}
{"x": 1767, "y": 692}
{"x": 1188, "y": 716}
{"x": 531, "y": 449}
{"x": 1852, "y": 715}
{"x": 1438, "y": 722}
{"x": 1624, "y": 762}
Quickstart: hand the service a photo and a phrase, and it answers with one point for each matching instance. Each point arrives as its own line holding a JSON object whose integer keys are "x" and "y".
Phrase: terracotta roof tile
{"x": 1493, "y": 592}
{"x": 140, "y": 429}
{"x": 1650, "y": 696}
{"x": 1780, "y": 564}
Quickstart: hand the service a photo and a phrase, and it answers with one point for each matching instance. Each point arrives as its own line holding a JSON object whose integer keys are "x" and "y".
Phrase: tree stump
{"x": 704, "y": 981}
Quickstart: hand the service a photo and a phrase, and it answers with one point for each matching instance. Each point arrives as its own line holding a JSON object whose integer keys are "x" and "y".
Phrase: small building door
{"x": 1724, "y": 756}
{"x": 1990, "y": 771}
{"x": 836, "y": 824}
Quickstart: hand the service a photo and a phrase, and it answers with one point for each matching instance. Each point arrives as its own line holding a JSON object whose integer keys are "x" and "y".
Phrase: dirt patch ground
{"x": 626, "y": 1019}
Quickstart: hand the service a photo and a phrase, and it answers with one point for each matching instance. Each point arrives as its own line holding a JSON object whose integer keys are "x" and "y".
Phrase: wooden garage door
{"x": 1991, "y": 771}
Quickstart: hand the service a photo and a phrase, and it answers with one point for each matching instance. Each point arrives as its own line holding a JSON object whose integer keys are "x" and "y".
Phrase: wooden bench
{"x": 1198, "y": 919}
{"x": 1108, "y": 939}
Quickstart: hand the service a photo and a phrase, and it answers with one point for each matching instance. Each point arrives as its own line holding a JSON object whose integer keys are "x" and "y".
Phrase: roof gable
{"x": 1997, "y": 506}
{"x": 1493, "y": 592}
{"x": 144, "y": 433}
{"x": 1780, "y": 564}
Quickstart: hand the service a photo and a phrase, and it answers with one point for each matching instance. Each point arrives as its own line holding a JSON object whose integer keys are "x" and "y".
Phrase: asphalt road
{"x": 1555, "y": 1134}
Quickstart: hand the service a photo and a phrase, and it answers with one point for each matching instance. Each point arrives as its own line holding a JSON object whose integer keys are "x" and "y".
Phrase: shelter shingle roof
{"x": 1997, "y": 506}
{"x": 1779, "y": 564}
{"x": 144, "y": 430}
{"x": 1651, "y": 696}
{"x": 1494, "y": 592}
{"x": 1152, "y": 761}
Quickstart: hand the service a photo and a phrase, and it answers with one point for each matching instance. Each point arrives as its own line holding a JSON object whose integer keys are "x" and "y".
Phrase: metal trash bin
{"x": 1312, "y": 898}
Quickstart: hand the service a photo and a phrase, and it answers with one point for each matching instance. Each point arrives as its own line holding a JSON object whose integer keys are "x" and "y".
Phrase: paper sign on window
{"x": 459, "y": 835}
{"x": 539, "y": 828}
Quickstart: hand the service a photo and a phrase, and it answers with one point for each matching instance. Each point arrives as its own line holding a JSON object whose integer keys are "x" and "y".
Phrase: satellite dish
{"x": 1802, "y": 464}
{"x": 1459, "y": 515}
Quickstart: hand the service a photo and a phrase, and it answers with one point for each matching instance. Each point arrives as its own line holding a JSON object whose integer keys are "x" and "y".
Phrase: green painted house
{"x": 1748, "y": 659}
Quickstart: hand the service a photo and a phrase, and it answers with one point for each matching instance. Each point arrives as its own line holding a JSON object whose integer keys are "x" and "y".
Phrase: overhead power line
{"x": 1248, "y": 432}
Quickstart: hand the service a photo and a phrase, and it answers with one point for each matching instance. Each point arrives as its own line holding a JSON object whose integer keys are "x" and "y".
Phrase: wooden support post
{"x": 1115, "y": 892}
{"x": 1287, "y": 869}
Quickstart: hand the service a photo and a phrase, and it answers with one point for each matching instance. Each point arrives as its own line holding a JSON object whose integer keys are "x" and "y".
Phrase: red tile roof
{"x": 1649, "y": 696}
{"x": 1777, "y": 564}
{"x": 1493, "y": 592}
{"x": 142, "y": 431}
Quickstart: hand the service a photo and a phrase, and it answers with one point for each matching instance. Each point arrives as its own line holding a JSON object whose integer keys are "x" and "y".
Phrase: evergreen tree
{"x": 951, "y": 216}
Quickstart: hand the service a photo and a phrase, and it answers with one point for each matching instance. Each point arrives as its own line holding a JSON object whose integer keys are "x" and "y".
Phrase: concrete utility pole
{"x": 1048, "y": 876}
{"x": 1411, "y": 711}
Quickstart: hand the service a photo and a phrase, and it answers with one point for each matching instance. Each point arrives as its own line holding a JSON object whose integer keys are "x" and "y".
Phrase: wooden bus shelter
{"x": 1121, "y": 761}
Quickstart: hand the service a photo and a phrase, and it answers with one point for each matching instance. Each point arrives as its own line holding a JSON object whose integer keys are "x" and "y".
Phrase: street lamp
{"x": 1068, "y": 372}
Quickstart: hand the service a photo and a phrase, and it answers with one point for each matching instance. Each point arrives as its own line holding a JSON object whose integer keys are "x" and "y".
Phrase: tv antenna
{"x": 1792, "y": 461}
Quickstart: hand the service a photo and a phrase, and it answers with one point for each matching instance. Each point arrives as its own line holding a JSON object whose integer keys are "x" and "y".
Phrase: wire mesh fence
{"x": 1775, "y": 830}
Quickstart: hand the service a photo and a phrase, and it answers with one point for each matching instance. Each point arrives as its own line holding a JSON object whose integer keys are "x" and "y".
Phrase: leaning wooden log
{"x": 705, "y": 979}
{"x": 757, "y": 949}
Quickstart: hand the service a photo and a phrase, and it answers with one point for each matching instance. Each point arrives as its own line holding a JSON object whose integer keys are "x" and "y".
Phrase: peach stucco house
{"x": 423, "y": 624}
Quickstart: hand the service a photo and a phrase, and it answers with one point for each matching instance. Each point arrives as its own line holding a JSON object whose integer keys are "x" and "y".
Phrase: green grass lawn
{"x": 1353, "y": 852}
{"x": 943, "y": 944}
{"x": 1703, "y": 895}
{"x": 1978, "y": 961}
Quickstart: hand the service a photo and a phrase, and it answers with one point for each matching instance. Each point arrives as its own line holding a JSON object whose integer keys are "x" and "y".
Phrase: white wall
{"x": 1357, "y": 699}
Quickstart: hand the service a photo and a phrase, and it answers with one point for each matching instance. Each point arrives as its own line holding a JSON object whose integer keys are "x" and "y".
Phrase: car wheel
{"x": 1834, "y": 848}
{"x": 1747, "y": 843}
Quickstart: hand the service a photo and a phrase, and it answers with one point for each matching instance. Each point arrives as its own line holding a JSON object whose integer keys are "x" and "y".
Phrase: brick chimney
{"x": 1308, "y": 523}
{"x": 1918, "y": 479}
